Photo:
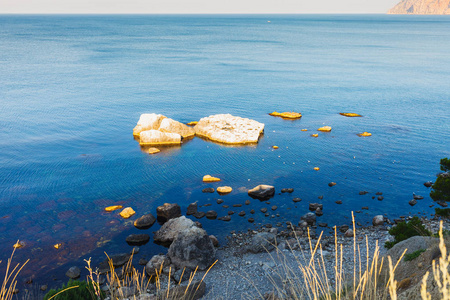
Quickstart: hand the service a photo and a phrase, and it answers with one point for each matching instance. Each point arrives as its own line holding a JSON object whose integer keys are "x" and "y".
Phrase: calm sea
{"x": 73, "y": 87}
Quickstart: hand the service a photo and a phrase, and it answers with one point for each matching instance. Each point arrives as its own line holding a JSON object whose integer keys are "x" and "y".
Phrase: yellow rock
{"x": 317, "y": 168}
{"x": 275, "y": 147}
{"x": 57, "y": 246}
{"x": 365, "y": 134}
{"x": 315, "y": 135}
{"x": 350, "y": 115}
{"x": 287, "y": 115}
{"x": 113, "y": 208}
{"x": 209, "y": 178}
{"x": 224, "y": 190}
{"x": 127, "y": 212}
{"x": 153, "y": 150}
{"x": 147, "y": 122}
{"x": 19, "y": 245}
{"x": 304, "y": 130}
{"x": 172, "y": 126}
{"x": 156, "y": 137}
{"x": 325, "y": 129}
{"x": 193, "y": 123}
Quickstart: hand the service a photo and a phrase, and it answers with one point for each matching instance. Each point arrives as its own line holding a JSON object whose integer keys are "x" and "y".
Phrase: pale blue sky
{"x": 196, "y": 6}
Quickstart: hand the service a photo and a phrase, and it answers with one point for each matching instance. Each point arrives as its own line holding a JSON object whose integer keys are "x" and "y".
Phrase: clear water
{"x": 73, "y": 87}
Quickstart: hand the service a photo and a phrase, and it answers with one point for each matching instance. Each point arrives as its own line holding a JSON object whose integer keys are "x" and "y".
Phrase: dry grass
{"x": 9, "y": 281}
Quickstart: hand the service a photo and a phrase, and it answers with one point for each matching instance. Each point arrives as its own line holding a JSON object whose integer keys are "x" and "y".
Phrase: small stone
{"x": 192, "y": 209}
{"x": 247, "y": 202}
{"x": 332, "y": 184}
{"x": 320, "y": 197}
{"x": 315, "y": 135}
{"x": 224, "y": 218}
{"x": 363, "y": 192}
{"x": 199, "y": 214}
{"x": 365, "y": 208}
{"x": 288, "y": 190}
{"x": 378, "y": 220}
{"x": 223, "y": 190}
{"x": 73, "y": 273}
{"x": 319, "y": 212}
{"x": 412, "y": 202}
{"x": 364, "y": 134}
{"x": 275, "y": 147}
{"x": 378, "y": 193}
{"x": 274, "y": 207}
{"x": 309, "y": 218}
{"x": 325, "y": 129}
{"x": 441, "y": 203}
{"x": 241, "y": 213}
{"x": 143, "y": 261}
{"x": 208, "y": 190}
{"x": 251, "y": 220}
{"x": 338, "y": 202}
{"x": 349, "y": 233}
{"x": 262, "y": 192}
{"x": 266, "y": 214}
{"x": 211, "y": 214}
{"x": 380, "y": 198}
{"x": 153, "y": 150}
{"x": 168, "y": 211}
{"x": 263, "y": 210}
{"x": 145, "y": 222}
{"x": 219, "y": 201}
{"x": 43, "y": 287}
{"x": 296, "y": 200}
{"x": 417, "y": 197}
{"x": 225, "y": 206}
{"x": 316, "y": 168}
{"x": 214, "y": 240}
{"x": 137, "y": 239}
{"x": 315, "y": 206}
{"x": 127, "y": 212}
{"x": 322, "y": 224}
{"x": 428, "y": 184}
{"x": 252, "y": 211}
{"x": 209, "y": 178}
{"x": 231, "y": 213}
{"x": 237, "y": 205}
{"x": 113, "y": 208}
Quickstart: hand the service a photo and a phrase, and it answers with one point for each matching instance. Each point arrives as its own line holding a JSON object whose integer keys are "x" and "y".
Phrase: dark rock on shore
{"x": 145, "y": 222}
{"x": 193, "y": 291}
{"x": 169, "y": 231}
{"x": 262, "y": 192}
{"x": 251, "y": 220}
{"x": 191, "y": 248}
{"x": 309, "y": 218}
{"x": 318, "y": 212}
{"x": 214, "y": 240}
{"x": 378, "y": 220}
{"x": 137, "y": 239}
{"x": 154, "y": 265}
{"x": 262, "y": 242}
{"x": 168, "y": 211}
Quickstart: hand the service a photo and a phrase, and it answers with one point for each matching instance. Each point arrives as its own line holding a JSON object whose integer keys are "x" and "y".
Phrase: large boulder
{"x": 172, "y": 126}
{"x": 156, "y": 137}
{"x": 191, "y": 248}
{"x": 262, "y": 192}
{"x": 168, "y": 211}
{"x": 170, "y": 230}
{"x": 228, "y": 129}
{"x": 148, "y": 122}
{"x": 262, "y": 242}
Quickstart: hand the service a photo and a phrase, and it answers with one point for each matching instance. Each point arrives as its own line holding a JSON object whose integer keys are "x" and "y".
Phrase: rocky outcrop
{"x": 170, "y": 230}
{"x": 228, "y": 129}
{"x": 422, "y": 7}
{"x": 262, "y": 192}
{"x": 156, "y": 129}
{"x": 191, "y": 248}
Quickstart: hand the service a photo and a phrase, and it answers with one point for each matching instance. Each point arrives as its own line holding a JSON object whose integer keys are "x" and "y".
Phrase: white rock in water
{"x": 148, "y": 122}
{"x": 228, "y": 129}
{"x": 170, "y": 125}
{"x": 156, "y": 137}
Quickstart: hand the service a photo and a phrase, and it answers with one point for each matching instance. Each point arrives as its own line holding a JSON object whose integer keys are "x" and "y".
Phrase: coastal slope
{"x": 422, "y": 7}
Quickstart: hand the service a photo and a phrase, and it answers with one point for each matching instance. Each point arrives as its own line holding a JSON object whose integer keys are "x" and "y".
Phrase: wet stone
{"x": 247, "y": 202}
{"x": 322, "y": 224}
{"x": 338, "y": 202}
{"x": 319, "y": 212}
{"x": 252, "y": 211}
{"x": 73, "y": 273}
{"x": 191, "y": 209}
{"x": 363, "y": 192}
{"x": 145, "y": 222}
{"x": 219, "y": 201}
{"x": 211, "y": 214}
{"x": 199, "y": 214}
{"x": 225, "y": 206}
{"x": 412, "y": 202}
{"x": 225, "y": 218}
{"x": 380, "y": 198}
{"x": 251, "y": 220}
{"x": 378, "y": 193}
{"x": 137, "y": 239}
{"x": 289, "y": 190}
{"x": 237, "y": 205}
{"x": 230, "y": 212}
{"x": 143, "y": 262}
{"x": 241, "y": 213}
{"x": 320, "y": 197}
{"x": 267, "y": 214}
{"x": 332, "y": 184}
{"x": 263, "y": 210}
{"x": 296, "y": 200}
{"x": 274, "y": 207}
{"x": 206, "y": 205}
{"x": 428, "y": 184}
{"x": 443, "y": 204}
{"x": 365, "y": 208}
{"x": 315, "y": 206}
{"x": 208, "y": 190}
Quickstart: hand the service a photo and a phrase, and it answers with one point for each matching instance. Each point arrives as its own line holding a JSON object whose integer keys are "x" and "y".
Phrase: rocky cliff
{"x": 422, "y": 7}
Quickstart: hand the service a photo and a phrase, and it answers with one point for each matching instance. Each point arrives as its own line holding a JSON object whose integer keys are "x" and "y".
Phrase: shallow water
{"x": 73, "y": 87}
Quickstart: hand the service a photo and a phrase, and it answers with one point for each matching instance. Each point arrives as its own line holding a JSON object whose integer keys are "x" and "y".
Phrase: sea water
{"x": 73, "y": 87}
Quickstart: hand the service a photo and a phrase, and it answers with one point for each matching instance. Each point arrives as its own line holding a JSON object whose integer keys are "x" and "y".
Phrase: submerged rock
{"x": 351, "y": 115}
{"x": 208, "y": 190}
{"x": 211, "y": 214}
{"x": 228, "y": 129}
{"x": 137, "y": 239}
{"x": 153, "y": 150}
{"x": 73, "y": 273}
{"x": 262, "y": 192}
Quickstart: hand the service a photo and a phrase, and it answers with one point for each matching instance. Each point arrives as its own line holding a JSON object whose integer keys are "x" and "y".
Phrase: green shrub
{"x": 441, "y": 188}
{"x": 414, "y": 255}
{"x": 404, "y": 230}
{"x": 443, "y": 212}
{"x": 84, "y": 291}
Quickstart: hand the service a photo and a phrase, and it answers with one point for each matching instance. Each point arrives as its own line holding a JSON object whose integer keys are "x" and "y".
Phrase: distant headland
{"x": 422, "y": 7}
